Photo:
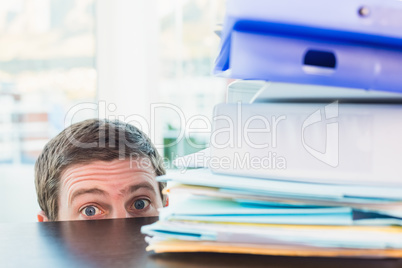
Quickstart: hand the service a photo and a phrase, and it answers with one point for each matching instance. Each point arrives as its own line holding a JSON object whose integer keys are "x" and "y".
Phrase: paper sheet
{"x": 190, "y": 246}
{"x": 204, "y": 177}
{"x": 330, "y": 236}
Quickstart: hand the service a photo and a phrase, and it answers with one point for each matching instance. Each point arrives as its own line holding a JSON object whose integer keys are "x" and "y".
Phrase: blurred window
{"x": 47, "y": 65}
{"x": 188, "y": 47}
{"x": 47, "y": 59}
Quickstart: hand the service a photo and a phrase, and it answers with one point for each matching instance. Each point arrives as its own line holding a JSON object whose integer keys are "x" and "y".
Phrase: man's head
{"x": 99, "y": 169}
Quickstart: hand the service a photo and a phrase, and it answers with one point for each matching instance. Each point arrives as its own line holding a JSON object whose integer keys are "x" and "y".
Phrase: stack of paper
{"x": 218, "y": 213}
{"x": 310, "y": 171}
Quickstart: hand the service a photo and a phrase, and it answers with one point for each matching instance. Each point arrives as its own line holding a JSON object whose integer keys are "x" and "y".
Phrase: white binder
{"x": 318, "y": 142}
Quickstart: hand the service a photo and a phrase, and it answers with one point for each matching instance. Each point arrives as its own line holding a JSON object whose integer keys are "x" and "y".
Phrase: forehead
{"x": 113, "y": 173}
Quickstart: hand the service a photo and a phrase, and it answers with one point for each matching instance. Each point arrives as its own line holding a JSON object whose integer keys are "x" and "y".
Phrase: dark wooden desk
{"x": 119, "y": 243}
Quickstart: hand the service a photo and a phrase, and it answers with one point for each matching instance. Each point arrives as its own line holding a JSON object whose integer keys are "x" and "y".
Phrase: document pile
{"x": 311, "y": 165}
{"x": 219, "y": 213}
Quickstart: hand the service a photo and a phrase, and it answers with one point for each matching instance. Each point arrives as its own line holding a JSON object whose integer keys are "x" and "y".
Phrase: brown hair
{"x": 85, "y": 142}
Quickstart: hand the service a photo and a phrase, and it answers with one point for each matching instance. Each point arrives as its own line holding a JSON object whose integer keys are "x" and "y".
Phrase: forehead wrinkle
{"x": 102, "y": 167}
{"x": 70, "y": 186}
{"x": 116, "y": 163}
{"x": 109, "y": 176}
{"x": 99, "y": 180}
{"x": 79, "y": 192}
{"x": 94, "y": 170}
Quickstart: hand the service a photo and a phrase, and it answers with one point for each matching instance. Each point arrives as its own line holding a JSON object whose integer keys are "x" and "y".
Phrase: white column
{"x": 127, "y": 60}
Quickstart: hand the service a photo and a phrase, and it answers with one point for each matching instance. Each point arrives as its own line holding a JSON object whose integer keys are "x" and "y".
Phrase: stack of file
{"x": 307, "y": 168}
{"x": 218, "y": 213}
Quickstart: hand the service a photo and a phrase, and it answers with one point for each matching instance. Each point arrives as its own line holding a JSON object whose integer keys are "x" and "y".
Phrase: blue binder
{"x": 358, "y": 44}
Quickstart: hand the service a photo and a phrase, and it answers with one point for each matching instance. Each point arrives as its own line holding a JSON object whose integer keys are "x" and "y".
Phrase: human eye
{"x": 141, "y": 204}
{"x": 90, "y": 211}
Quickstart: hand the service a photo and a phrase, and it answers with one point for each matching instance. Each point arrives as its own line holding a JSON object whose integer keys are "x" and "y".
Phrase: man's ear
{"x": 42, "y": 217}
{"x": 166, "y": 201}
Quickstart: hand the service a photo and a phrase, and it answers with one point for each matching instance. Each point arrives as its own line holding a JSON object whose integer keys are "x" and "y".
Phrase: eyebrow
{"x": 87, "y": 191}
{"x": 97, "y": 191}
{"x": 146, "y": 185}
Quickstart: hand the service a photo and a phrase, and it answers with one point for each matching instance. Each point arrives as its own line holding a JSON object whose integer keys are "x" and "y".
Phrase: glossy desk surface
{"x": 119, "y": 243}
